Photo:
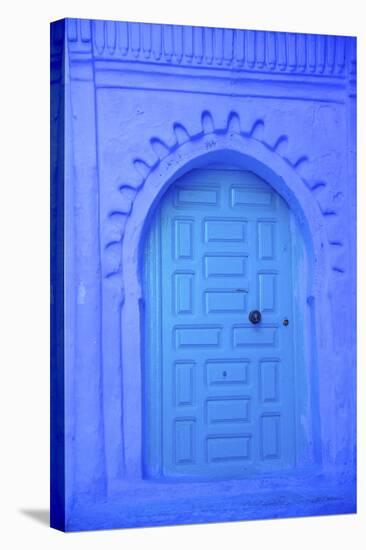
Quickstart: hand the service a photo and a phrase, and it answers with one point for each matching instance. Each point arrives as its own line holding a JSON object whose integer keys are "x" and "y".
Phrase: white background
{"x": 24, "y": 272}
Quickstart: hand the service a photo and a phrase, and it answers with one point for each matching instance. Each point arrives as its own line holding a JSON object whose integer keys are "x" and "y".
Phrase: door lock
{"x": 255, "y": 316}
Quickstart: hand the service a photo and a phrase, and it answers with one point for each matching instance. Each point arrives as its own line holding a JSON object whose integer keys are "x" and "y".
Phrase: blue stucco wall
{"x": 134, "y": 106}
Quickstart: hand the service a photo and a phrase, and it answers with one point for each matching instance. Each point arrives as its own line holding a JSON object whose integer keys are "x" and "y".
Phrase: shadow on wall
{"x": 39, "y": 515}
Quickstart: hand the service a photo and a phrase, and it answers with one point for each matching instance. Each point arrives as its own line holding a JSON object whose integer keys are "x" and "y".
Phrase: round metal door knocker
{"x": 255, "y": 316}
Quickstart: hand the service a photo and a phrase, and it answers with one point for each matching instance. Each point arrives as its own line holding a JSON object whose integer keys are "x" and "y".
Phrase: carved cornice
{"x": 203, "y": 47}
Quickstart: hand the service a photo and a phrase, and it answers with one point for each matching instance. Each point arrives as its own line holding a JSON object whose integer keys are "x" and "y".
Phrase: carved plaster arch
{"x": 278, "y": 157}
{"x": 139, "y": 198}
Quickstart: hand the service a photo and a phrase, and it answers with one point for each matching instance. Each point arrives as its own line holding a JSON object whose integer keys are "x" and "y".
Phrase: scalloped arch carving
{"x": 212, "y": 137}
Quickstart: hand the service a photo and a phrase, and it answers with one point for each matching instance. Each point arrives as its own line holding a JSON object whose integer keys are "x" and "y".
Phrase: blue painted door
{"x": 219, "y": 389}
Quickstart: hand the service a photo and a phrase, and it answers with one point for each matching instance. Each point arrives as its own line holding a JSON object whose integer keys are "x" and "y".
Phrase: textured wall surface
{"x": 133, "y": 107}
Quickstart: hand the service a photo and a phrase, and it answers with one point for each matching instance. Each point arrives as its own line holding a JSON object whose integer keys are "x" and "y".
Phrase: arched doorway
{"x": 219, "y": 390}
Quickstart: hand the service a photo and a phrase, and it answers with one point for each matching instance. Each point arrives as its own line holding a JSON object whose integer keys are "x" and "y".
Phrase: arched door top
{"x": 245, "y": 153}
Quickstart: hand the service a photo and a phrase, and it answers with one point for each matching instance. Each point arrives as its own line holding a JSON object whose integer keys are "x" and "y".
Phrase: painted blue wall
{"x": 134, "y": 107}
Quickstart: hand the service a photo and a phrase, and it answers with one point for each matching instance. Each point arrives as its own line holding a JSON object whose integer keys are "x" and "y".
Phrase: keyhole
{"x": 224, "y": 374}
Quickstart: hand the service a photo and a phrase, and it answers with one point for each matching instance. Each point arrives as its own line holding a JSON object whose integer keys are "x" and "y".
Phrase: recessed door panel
{"x": 220, "y": 387}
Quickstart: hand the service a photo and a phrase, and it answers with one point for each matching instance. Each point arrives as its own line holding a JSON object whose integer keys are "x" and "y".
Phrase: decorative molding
{"x": 204, "y": 47}
{"x": 125, "y": 194}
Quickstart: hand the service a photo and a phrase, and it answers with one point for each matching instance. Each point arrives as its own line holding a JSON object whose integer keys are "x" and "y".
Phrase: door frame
{"x": 248, "y": 154}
